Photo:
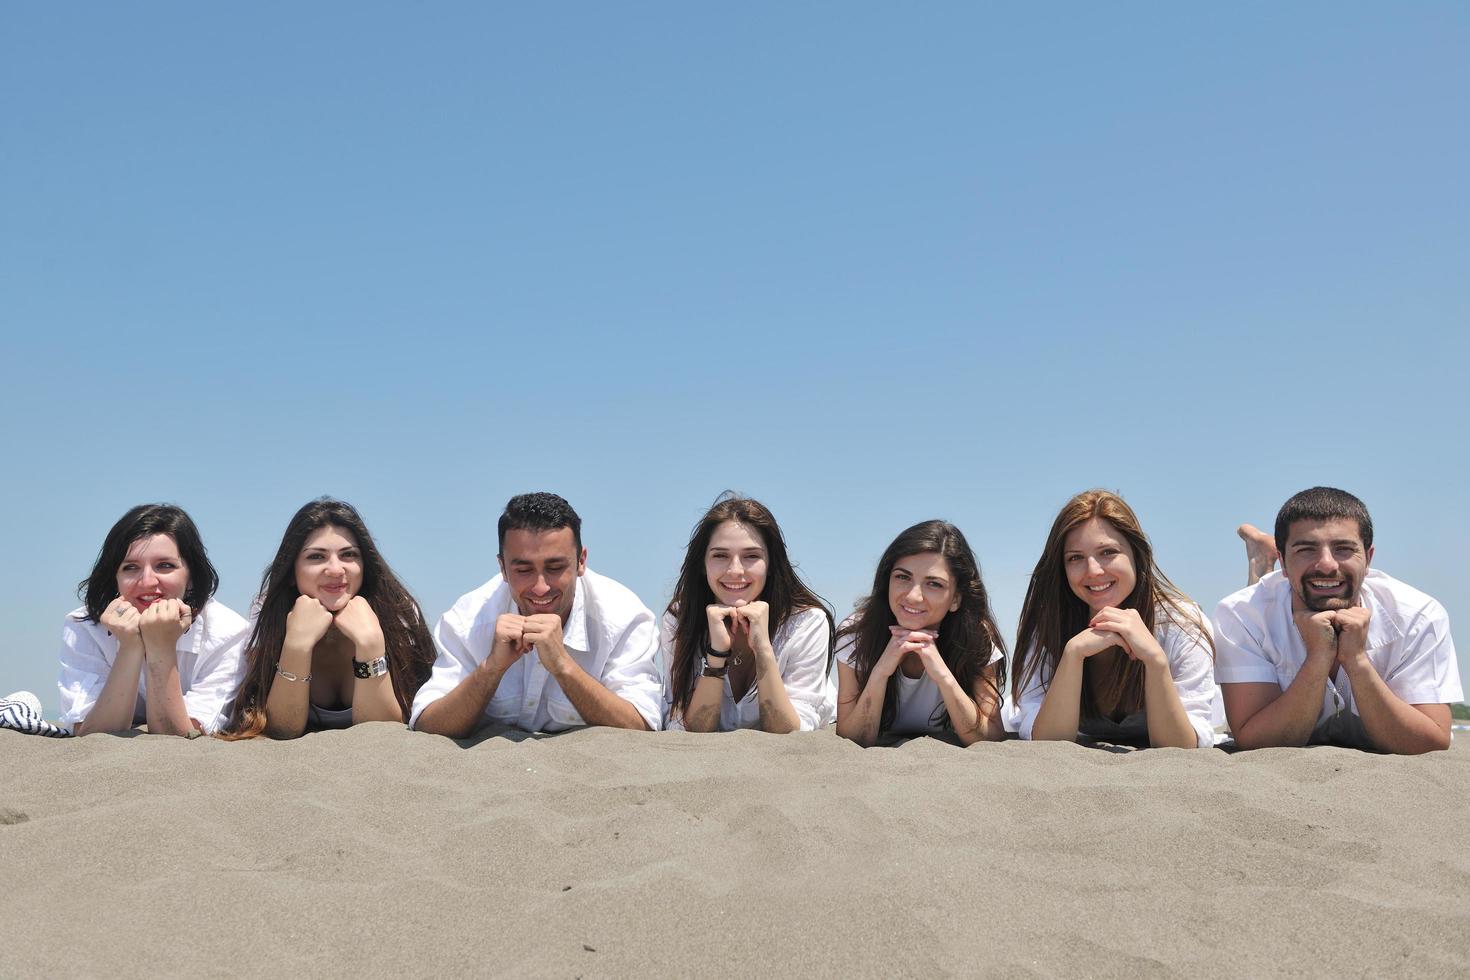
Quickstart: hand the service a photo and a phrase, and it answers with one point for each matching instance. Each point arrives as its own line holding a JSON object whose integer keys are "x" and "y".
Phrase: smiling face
{"x": 329, "y": 567}
{"x": 921, "y": 590}
{"x": 152, "y": 570}
{"x": 1325, "y": 562}
{"x": 735, "y": 563}
{"x": 542, "y": 568}
{"x": 1099, "y": 564}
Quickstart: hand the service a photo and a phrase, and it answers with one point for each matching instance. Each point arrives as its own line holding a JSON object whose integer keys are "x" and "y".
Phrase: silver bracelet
{"x": 290, "y": 676}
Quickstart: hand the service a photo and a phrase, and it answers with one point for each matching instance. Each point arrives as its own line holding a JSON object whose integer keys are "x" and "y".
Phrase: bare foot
{"x": 1260, "y": 552}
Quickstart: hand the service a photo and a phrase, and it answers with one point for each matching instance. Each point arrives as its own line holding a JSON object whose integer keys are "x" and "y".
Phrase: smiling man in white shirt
{"x": 1329, "y": 649}
{"x": 545, "y": 645}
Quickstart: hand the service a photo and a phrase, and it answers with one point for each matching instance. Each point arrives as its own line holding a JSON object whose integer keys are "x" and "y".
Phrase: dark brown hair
{"x": 784, "y": 592}
{"x": 968, "y": 636}
{"x": 144, "y": 521}
{"x": 1052, "y": 613}
{"x": 406, "y": 640}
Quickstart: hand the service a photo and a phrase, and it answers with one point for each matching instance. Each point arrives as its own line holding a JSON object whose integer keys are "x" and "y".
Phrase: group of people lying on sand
{"x": 1327, "y": 649}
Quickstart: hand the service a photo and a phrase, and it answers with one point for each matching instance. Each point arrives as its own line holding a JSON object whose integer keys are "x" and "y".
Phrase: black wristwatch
{"x": 716, "y": 671}
{"x": 370, "y": 668}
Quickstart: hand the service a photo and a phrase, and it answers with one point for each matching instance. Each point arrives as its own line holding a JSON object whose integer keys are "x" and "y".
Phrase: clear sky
{"x": 870, "y": 263}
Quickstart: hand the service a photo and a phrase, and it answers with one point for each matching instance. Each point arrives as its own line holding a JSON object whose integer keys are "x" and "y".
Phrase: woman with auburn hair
{"x": 150, "y": 644}
{"x": 1108, "y": 647}
{"x": 745, "y": 642}
{"x": 338, "y": 640}
{"x": 922, "y": 655}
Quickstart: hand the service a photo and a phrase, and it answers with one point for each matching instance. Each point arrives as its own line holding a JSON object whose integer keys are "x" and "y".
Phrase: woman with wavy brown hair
{"x": 1108, "y": 647}
{"x": 745, "y": 642}
{"x": 337, "y": 640}
{"x": 922, "y": 655}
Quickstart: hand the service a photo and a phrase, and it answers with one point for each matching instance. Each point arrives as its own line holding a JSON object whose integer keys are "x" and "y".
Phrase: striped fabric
{"x": 21, "y": 712}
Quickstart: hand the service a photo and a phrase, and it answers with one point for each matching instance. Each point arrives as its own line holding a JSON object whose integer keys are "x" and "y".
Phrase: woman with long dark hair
{"x": 745, "y": 642}
{"x": 150, "y": 643}
{"x": 1108, "y": 647}
{"x": 338, "y": 640}
{"x": 922, "y": 655}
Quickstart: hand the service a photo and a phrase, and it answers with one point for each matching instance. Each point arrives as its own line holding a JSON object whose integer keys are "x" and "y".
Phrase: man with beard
{"x": 545, "y": 645}
{"x": 1328, "y": 649}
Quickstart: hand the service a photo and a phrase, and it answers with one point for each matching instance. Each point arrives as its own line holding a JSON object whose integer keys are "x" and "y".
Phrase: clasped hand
{"x": 309, "y": 620}
{"x": 515, "y": 635}
{"x": 1336, "y": 635}
{"x": 744, "y": 620}
{"x": 905, "y": 642}
{"x": 1123, "y": 628}
{"x": 157, "y": 629}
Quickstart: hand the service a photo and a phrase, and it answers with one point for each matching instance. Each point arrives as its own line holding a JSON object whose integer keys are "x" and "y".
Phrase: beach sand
{"x": 380, "y": 852}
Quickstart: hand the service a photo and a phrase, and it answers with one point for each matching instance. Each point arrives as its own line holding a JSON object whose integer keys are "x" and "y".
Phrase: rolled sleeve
{"x": 1428, "y": 672}
{"x": 631, "y": 669}
{"x": 217, "y": 676}
{"x": 1240, "y": 649}
{"x": 1193, "y": 670}
{"x": 1028, "y": 704}
{"x": 452, "y": 664}
{"x": 805, "y": 672}
{"x": 84, "y": 670}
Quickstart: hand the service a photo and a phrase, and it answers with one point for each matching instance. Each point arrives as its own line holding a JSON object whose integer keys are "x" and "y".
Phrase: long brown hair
{"x": 1052, "y": 613}
{"x": 406, "y": 640}
{"x": 784, "y": 592}
{"x": 968, "y": 636}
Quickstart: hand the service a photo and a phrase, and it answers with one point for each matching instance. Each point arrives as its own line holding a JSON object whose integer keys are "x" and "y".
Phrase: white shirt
{"x": 609, "y": 633}
{"x": 1190, "y": 665}
{"x": 919, "y": 698}
{"x": 1409, "y": 644}
{"x": 800, "y": 645}
{"x": 210, "y": 656}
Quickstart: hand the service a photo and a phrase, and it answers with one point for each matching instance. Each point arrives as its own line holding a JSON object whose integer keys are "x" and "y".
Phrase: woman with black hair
{"x": 338, "y": 640}
{"x": 150, "y": 644}
{"x": 745, "y": 642}
{"x": 922, "y": 655}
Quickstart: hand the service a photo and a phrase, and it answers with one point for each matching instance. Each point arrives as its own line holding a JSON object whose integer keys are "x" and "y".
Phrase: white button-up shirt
{"x": 1409, "y": 644}
{"x": 800, "y": 645}
{"x": 1190, "y": 666}
{"x": 210, "y": 657}
{"x": 609, "y": 633}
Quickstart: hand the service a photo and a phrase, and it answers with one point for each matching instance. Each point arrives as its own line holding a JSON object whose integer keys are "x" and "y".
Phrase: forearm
{"x": 1061, "y": 706}
{"x": 458, "y": 713}
{"x": 118, "y": 701}
{"x": 288, "y": 703}
{"x": 860, "y": 722}
{"x": 166, "y": 712}
{"x": 778, "y": 714}
{"x": 1290, "y": 719}
{"x": 1393, "y": 724}
{"x": 595, "y": 703}
{"x": 703, "y": 713}
{"x": 1168, "y": 722}
{"x": 964, "y": 713}
{"x": 373, "y": 698}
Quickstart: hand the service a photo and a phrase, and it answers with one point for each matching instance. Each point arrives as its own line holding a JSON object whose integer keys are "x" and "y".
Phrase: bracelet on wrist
{"x": 292, "y": 677}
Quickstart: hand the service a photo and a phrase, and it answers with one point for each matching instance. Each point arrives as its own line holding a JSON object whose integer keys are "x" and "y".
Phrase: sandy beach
{"x": 380, "y": 852}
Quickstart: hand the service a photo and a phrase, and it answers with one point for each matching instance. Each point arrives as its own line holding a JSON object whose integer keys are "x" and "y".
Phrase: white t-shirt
{"x": 1409, "y": 643}
{"x": 919, "y": 698}
{"x": 609, "y": 633}
{"x": 1190, "y": 665}
{"x": 801, "y": 646}
{"x": 210, "y": 656}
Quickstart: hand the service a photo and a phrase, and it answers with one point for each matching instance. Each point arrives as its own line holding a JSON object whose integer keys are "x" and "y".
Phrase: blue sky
{"x": 871, "y": 263}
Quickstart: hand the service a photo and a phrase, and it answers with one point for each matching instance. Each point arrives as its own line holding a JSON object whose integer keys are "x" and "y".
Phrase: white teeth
{"x": 1099, "y": 588}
